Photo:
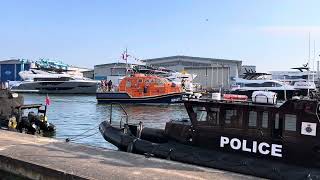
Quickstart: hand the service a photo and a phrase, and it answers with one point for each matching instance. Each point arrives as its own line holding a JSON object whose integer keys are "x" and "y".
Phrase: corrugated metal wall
{"x": 10, "y": 72}
{"x": 211, "y": 77}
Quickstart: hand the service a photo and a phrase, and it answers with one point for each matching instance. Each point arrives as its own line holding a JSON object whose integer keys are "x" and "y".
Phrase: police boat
{"x": 260, "y": 137}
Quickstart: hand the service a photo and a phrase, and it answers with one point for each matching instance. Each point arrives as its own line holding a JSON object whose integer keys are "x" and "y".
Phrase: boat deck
{"x": 44, "y": 158}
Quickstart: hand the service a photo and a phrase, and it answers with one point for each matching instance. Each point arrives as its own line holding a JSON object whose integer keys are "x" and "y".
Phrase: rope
{"x": 75, "y": 139}
{"x": 82, "y": 134}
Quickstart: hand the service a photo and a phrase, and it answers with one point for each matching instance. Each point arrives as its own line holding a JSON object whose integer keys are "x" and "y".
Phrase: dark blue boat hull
{"x": 113, "y": 97}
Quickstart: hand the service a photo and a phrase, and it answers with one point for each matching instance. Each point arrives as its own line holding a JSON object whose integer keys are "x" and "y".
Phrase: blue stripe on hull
{"x": 168, "y": 99}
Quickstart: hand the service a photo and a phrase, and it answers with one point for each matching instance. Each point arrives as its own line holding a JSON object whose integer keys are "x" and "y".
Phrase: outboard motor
{"x": 26, "y": 125}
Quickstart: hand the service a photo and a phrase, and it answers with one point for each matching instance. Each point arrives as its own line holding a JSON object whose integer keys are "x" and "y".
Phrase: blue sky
{"x": 271, "y": 34}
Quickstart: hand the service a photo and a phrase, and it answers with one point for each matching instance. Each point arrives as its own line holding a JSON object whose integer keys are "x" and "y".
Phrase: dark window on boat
{"x": 253, "y": 85}
{"x": 276, "y": 121}
{"x": 228, "y": 115}
{"x": 290, "y": 122}
{"x": 201, "y": 113}
{"x": 140, "y": 81}
{"x": 233, "y": 118}
{"x": 240, "y": 84}
{"x": 278, "y": 85}
{"x": 252, "y": 119}
{"x": 213, "y": 116}
{"x": 265, "y": 117}
{"x": 268, "y": 84}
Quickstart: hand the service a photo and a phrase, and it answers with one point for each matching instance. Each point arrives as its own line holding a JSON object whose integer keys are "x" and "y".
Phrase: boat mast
{"x": 309, "y": 68}
{"x": 126, "y": 58}
{"x": 314, "y": 58}
{"x": 285, "y": 90}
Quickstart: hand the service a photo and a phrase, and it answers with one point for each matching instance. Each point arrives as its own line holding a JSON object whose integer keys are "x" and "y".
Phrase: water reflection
{"x": 74, "y": 114}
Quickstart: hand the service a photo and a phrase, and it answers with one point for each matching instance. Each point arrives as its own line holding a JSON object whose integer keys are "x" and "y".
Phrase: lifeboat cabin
{"x": 277, "y": 141}
{"x": 140, "y": 88}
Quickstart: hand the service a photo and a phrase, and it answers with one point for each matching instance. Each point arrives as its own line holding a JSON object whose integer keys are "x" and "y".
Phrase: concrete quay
{"x": 44, "y": 158}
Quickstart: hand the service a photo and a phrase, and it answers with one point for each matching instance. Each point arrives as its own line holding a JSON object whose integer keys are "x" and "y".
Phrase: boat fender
{"x": 12, "y": 122}
{"x": 43, "y": 118}
{"x": 131, "y": 145}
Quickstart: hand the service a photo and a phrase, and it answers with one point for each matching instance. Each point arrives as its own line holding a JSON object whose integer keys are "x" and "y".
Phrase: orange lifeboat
{"x": 140, "y": 88}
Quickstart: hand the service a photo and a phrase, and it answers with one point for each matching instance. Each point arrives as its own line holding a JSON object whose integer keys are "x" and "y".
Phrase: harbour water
{"x": 74, "y": 114}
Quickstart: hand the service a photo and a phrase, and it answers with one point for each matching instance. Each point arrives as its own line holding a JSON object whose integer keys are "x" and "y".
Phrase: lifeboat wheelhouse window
{"x": 252, "y": 123}
{"x": 290, "y": 122}
{"x": 128, "y": 84}
{"x": 159, "y": 82}
{"x": 140, "y": 80}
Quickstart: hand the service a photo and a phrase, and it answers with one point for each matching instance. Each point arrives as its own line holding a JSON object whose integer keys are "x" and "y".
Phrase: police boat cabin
{"x": 141, "y": 88}
{"x": 262, "y": 127}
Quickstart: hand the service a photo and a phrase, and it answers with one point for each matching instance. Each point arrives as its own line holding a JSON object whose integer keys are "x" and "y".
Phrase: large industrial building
{"x": 103, "y": 71}
{"x": 9, "y": 69}
{"x": 211, "y": 72}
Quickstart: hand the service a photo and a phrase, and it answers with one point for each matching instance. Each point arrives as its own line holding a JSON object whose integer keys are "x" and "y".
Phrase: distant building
{"x": 211, "y": 72}
{"x": 88, "y": 74}
{"x": 77, "y": 71}
{"x": 9, "y": 69}
{"x": 102, "y": 71}
{"x": 111, "y": 71}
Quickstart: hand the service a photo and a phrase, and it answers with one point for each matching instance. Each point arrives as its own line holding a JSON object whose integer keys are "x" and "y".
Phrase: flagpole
{"x": 126, "y": 56}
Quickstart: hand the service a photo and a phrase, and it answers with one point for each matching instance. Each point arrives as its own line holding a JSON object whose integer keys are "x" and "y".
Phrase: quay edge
{"x": 43, "y": 158}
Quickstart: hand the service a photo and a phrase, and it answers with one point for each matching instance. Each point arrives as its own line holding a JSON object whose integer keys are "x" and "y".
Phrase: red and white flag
{"x": 48, "y": 101}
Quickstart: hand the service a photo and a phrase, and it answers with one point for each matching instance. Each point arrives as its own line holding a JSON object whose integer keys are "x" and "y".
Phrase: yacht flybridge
{"x": 253, "y": 81}
{"x": 247, "y": 87}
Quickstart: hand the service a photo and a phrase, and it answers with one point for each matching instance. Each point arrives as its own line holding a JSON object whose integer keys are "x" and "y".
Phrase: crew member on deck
{"x": 183, "y": 84}
{"x": 109, "y": 85}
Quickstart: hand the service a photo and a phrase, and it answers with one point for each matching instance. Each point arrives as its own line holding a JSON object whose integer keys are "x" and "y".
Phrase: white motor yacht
{"x": 51, "y": 82}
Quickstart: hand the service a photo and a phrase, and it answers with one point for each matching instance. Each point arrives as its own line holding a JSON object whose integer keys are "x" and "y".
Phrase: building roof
{"x": 113, "y": 64}
{"x": 10, "y": 61}
{"x": 191, "y": 57}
